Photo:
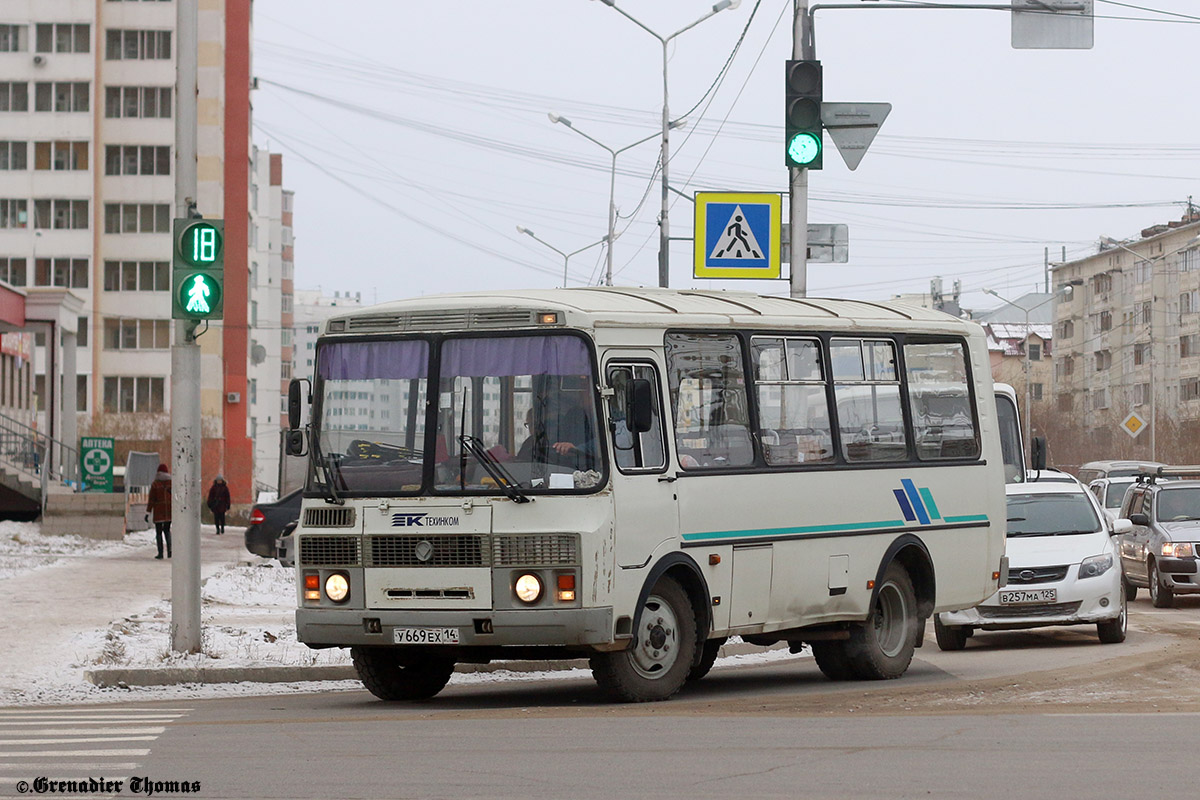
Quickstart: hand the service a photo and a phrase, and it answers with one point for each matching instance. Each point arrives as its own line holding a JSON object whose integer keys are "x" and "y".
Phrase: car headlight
{"x": 1095, "y": 565}
{"x": 1177, "y": 549}
{"x": 528, "y": 588}
{"x": 337, "y": 587}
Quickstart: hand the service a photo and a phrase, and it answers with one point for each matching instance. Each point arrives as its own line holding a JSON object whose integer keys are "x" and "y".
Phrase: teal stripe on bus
{"x": 849, "y": 526}
{"x": 930, "y": 506}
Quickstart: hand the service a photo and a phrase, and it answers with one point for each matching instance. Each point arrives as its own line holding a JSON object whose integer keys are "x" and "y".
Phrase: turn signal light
{"x": 312, "y": 580}
{"x": 566, "y": 587}
{"x": 548, "y": 318}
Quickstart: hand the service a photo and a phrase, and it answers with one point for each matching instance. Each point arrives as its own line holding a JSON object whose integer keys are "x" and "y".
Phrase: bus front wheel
{"x": 657, "y": 664}
{"x": 882, "y": 648}
{"x": 392, "y": 675}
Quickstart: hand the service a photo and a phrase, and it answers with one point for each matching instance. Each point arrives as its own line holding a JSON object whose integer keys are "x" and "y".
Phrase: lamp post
{"x": 566, "y": 256}
{"x": 1063, "y": 289}
{"x": 1150, "y": 328}
{"x": 664, "y": 232}
{"x": 612, "y": 181}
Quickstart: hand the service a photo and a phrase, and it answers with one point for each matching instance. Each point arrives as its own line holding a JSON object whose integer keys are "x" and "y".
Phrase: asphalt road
{"x": 1047, "y": 714}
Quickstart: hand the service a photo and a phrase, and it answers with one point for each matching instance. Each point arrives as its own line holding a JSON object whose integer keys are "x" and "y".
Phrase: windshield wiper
{"x": 503, "y": 478}
{"x": 326, "y": 467}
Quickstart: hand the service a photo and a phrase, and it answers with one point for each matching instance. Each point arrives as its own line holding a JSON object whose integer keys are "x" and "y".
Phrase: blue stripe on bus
{"x": 930, "y": 506}
{"x": 915, "y": 498}
{"x": 905, "y": 506}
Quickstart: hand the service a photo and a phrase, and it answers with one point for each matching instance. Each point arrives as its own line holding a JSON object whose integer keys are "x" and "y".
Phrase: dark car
{"x": 268, "y": 521}
{"x": 1159, "y": 552}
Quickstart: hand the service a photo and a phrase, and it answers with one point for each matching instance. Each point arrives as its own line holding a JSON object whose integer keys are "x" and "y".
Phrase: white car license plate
{"x": 1017, "y": 597}
{"x": 425, "y": 635}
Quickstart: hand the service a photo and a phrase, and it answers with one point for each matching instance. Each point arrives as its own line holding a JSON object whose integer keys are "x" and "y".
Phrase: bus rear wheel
{"x": 390, "y": 674}
{"x": 831, "y": 658}
{"x": 658, "y": 662}
{"x": 882, "y": 648}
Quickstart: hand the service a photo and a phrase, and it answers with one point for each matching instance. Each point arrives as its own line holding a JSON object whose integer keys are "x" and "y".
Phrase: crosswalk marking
{"x": 60, "y": 768}
{"x": 27, "y": 712}
{"x": 77, "y": 740}
{"x": 73, "y": 753}
{"x": 77, "y": 720}
{"x": 81, "y": 731}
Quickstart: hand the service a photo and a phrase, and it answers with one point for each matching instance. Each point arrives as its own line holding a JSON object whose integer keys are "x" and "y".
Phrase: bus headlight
{"x": 528, "y": 588}
{"x": 337, "y": 587}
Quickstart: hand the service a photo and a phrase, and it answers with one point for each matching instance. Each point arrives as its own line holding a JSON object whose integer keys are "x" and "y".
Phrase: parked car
{"x": 268, "y": 521}
{"x": 1115, "y": 469}
{"x": 1050, "y": 475}
{"x": 1110, "y": 492}
{"x": 1158, "y": 550}
{"x": 1063, "y": 569}
{"x": 285, "y": 546}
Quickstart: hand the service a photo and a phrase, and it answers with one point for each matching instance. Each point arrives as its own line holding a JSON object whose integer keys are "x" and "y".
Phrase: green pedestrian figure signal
{"x": 198, "y": 269}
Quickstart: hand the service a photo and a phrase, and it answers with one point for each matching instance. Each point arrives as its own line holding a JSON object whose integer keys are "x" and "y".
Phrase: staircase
{"x": 33, "y": 466}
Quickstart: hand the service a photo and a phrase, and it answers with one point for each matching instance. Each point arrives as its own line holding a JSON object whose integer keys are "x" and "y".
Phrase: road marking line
{"x": 34, "y": 712}
{"x": 1130, "y": 714}
{"x": 83, "y": 731}
{"x": 61, "y": 768}
{"x": 78, "y": 720}
{"x": 19, "y": 742}
{"x": 73, "y": 753}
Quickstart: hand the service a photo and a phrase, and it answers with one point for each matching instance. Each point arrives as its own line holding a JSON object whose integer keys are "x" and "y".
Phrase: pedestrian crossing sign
{"x": 737, "y": 235}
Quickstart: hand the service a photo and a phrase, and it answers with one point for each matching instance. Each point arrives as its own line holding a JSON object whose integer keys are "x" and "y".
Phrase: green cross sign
{"x": 96, "y": 463}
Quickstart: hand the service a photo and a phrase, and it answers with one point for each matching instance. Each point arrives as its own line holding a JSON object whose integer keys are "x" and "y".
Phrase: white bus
{"x": 634, "y": 475}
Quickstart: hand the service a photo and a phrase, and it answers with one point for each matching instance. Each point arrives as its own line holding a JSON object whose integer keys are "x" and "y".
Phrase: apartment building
{"x": 87, "y": 168}
{"x": 311, "y": 308}
{"x": 1128, "y": 341}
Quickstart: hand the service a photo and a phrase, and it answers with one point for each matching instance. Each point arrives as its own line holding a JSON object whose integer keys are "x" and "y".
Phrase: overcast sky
{"x": 416, "y": 138}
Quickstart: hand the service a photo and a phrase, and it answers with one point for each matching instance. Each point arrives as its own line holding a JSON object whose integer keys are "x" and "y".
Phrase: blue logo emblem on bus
{"x": 916, "y": 504}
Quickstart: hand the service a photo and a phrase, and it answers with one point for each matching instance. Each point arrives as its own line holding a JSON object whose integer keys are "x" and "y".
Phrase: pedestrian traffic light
{"x": 802, "y": 124}
{"x": 198, "y": 269}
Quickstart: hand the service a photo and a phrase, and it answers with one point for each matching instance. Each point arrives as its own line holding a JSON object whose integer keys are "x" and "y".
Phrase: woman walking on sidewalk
{"x": 159, "y": 509}
{"x": 219, "y": 502}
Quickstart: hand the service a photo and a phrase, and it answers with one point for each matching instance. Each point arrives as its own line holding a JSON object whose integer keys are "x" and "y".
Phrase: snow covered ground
{"x": 247, "y": 619}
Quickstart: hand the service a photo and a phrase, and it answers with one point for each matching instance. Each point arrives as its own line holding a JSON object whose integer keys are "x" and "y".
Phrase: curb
{"x": 124, "y": 678}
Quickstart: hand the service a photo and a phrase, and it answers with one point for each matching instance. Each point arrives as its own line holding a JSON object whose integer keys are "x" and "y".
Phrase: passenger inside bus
{"x": 560, "y": 426}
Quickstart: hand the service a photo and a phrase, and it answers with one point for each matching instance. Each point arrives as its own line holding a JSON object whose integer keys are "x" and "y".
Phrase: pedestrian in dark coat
{"x": 219, "y": 502}
{"x": 158, "y": 509}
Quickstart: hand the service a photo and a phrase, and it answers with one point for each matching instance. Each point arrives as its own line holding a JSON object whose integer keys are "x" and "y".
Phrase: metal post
{"x": 802, "y": 47}
{"x": 185, "y": 364}
{"x": 612, "y": 224}
{"x": 1028, "y": 389}
{"x": 664, "y": 226}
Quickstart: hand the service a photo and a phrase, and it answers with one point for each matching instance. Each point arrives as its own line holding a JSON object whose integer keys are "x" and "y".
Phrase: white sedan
{"x": 1064, "y": 569}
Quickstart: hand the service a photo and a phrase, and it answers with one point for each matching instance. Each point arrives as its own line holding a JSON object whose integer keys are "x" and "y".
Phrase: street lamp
{"x": 566, "y": 256}
{"x": 664, "y": 232}
{"x": 612, "y": 181}
{"x": 1064, "y": 289}
{"x": 1150, "y": 328}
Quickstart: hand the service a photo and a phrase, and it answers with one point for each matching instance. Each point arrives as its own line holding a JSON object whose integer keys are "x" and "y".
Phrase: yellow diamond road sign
{"x": 1133, "y": 424}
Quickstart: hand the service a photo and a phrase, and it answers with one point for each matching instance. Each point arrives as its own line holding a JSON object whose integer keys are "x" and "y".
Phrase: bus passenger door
{"x": 645, "y": 509}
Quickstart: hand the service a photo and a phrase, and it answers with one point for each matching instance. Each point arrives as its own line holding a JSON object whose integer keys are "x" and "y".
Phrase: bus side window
{"x": 793, "y": 412}
{"x": 708, "y": 400}
{"x": 867, "y": 391}
{"x": 634, "y": 451}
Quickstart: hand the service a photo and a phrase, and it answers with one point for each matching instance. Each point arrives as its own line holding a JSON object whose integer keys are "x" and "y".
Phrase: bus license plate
{"x": 1016, "y": 597}
{"x": 425, "y": 635}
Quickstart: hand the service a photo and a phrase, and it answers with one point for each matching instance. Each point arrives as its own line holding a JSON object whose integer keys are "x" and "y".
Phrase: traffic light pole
{"x": 798, "y": 205}
{"x": 185, "y": 364}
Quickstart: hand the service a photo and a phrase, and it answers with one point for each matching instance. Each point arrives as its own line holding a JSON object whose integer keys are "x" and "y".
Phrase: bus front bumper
{"x": 327, "y": 627}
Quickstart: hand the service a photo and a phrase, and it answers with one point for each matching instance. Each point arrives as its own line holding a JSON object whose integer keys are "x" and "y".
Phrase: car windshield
{"x": 1176, "y": 505}
{"x": 1051, "y": 514}
{"x": 1115, "y": 493}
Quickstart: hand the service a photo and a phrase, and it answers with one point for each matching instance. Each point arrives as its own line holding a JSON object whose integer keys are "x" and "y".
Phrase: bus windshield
{"x": 510, "y": 412}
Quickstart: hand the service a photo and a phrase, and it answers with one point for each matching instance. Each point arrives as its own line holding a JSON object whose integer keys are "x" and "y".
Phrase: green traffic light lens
{"x": 804, "y": 148}
{"x": 200, "y": 244}
{"x": 199, "y": 295}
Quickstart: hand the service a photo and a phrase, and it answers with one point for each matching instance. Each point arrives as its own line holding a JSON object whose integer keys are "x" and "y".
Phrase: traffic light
{"x": 802, "y": 124}
{"x": 198, "y": 269}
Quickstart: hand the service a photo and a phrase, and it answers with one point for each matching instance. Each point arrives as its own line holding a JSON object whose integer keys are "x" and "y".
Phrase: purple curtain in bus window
{"x": 516, "y": 355}
{"x": 361, "y": 361}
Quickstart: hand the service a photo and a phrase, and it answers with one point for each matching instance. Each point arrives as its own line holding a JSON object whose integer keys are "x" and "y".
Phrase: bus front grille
{"x": 342, "y": 517}
{"x": 538, "y": 549}
{"x": 436, "y": 550}
{"x": 329, "y": 551}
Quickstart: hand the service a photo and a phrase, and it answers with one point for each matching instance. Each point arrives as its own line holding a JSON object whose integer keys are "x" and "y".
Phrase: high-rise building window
{"x": 14, "y": 38}
{"x": 130, "y": 394}
{"x": 60, "y": 214}
{"x": 13, "y": 213}
{"x": 64, "y": 37}
{"x": 14, "y": 155}
{"x": 136, "y": 276}
{"x": 60, "y": 155}
{"x": 137, "y": 334}
{"x": 135, "y": 45}
{"x": 145, "y": 102}
{"x": 137, "y": 218}
{"x": 81, "y": 333}
{"x": 14, "y": 96}
{"x": 132, "y": 159}
{"x": 12, "y": 270}
{"x": 71, "y": 273}
{"x": 68, "y": 96}
{"x": 81, "y": 393}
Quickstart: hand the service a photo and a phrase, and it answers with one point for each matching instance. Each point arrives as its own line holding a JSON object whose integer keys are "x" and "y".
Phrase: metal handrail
{"x": 32, "y": 451}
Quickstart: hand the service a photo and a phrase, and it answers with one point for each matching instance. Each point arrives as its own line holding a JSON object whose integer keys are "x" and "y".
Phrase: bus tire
{"x": 708, "y": 657}
{"x": 832, "y": 660}
{"x": 390, "y": 675}
{"x": 882, "y": 648}
{"x": 658, "y": 662}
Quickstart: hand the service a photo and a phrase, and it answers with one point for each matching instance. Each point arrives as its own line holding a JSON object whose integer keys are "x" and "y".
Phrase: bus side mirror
{"x": 640, "y": 405}
{"x": 1038, "y": 453}
{"x": 294, "y": 442}
{"x": 295, "y": 409}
